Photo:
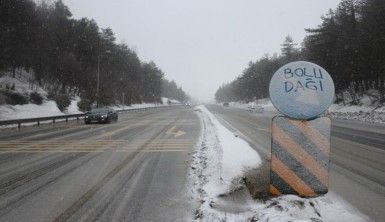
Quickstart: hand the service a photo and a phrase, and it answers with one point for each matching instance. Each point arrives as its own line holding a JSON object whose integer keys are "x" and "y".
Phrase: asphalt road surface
{"x": 131, "y": 170}
{"x": 135, "y": 169}
{"x": 357, "y": 155}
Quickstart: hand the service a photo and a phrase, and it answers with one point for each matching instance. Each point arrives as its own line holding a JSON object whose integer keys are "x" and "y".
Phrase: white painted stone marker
{"x": 301, "y": 90}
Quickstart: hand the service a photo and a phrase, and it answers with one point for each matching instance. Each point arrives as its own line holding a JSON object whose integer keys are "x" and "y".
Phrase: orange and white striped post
{"x": 300, "y": 140}
{"x": 300, "y": 156}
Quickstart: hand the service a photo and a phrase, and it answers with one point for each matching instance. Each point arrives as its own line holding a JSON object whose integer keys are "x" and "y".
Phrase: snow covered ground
{"x": 364, "y": 112}
{"x": 73, "y": 107}
{"x": 146, "y": 105}
{"x": 355, "y": 112}
{"x": 265, "y": 103}
{"x": 221, "y": 160}
{"x": 228, "y": 164}
{"x": 368, "y": 108}
{"x": 23, "y": 84}
{"x": 49, "y": 108}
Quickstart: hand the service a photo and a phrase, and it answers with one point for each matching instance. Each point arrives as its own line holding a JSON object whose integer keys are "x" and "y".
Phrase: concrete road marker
{"x": 300, "y": 140}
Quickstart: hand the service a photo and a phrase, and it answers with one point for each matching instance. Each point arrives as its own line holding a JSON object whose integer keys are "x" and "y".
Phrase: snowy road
{"x": 136, "y": 169}
{"x": 132, "y": 170}
{"x": 357, "y": 154}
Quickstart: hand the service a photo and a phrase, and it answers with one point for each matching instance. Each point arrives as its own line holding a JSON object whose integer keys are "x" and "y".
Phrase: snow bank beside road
{"x": 236, "y": 154}
{"x": 366, "y": 113}
{"x": 137, "y": 106}
{"x": 21, "y": 85}
{"x": 48, "y": 108}
{"x": 73, "y": 107}
{"x": 265, "y": 103}
{"x": 219, "y": 163}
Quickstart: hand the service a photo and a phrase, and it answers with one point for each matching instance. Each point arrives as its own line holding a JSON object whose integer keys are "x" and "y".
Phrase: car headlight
{"x": 104, "y": 116}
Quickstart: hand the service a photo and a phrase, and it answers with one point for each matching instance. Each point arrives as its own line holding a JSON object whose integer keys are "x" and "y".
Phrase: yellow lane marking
{"x": 96, "y": 151}
{"x": 100, "y": 147}
{"x": 154, "y": 151}
{"x": 159, "y": 145}
{"x": 172, "y": 131}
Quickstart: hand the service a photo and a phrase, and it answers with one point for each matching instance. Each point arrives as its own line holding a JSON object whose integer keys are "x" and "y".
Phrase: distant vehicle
{"x": 226, "y": 104}
{"x": 255, "y": 109}
{"x": 101, "y": 115}
{"x": 187, "y": 105}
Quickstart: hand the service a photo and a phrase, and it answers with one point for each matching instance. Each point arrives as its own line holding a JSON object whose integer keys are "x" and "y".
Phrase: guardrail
{"x": 39, "y": 120}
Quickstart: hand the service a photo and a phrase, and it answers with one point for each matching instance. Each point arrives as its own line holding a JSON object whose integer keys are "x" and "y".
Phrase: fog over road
{"x": 136, "y": 169}
{"x": 357, "y": 155}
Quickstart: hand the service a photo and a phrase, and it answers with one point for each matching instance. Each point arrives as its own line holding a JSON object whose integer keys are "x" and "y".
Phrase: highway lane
{"x": 357, "y": 155}
{"x": 131, "y": 170}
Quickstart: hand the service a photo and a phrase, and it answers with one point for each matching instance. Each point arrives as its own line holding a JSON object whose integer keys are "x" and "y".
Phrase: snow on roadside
{"x": 366, "y": 113}
{"x": 21, "y": 86}
{"x": 48, "y": 108}
{"x": 73, "y": 107}
{"x": 147, "y": 105}
{"x": 264, "y": 103}
{"x": 137, "y": 106}
{"x": 236, "y": 156}
{"x": 217, "y": 168}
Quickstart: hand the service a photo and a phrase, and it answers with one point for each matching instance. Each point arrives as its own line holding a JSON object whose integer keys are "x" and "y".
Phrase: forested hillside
{"x": 66, "y": 55}
{"x": 349, "y": 44}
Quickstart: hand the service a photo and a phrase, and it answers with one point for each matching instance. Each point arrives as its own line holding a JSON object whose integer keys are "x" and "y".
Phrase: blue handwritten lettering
{"x": 288, "y": 86}
{"x": 288, "y": 73}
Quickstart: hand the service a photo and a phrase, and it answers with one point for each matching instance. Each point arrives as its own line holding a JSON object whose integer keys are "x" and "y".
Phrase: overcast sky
{"x": 203, "y": 43}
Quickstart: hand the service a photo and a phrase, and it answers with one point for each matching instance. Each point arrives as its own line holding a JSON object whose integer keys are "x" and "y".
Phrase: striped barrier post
{"x": 300, "y": 140}
{"x": 300, "y": 156}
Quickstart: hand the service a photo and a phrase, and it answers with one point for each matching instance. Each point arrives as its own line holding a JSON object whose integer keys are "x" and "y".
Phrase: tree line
{"x": 349, "y": 44}
{"x": 66, "y": 55}
{"x": 171, "y": 90}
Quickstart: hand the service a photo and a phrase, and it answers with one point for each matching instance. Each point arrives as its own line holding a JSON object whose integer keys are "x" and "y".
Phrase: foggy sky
{"x": 203, "y": 43}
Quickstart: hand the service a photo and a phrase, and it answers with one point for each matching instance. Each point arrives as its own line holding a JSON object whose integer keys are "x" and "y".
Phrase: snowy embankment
{"x": 24, "y": 84}
{"x": 368, "y": 108}
{"x": 219, "y": 164}
{"x": 48, "y": 108}
{"x": 226, "y": 164}
{"x": 147, "y": 105}
{"x": 265, "y": 103}
{"x": 366, "y": 112}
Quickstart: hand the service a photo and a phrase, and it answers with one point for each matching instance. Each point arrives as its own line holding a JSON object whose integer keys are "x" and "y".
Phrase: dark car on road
{"x": 226, "y": 104}
{"x": 101, "y": 115}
